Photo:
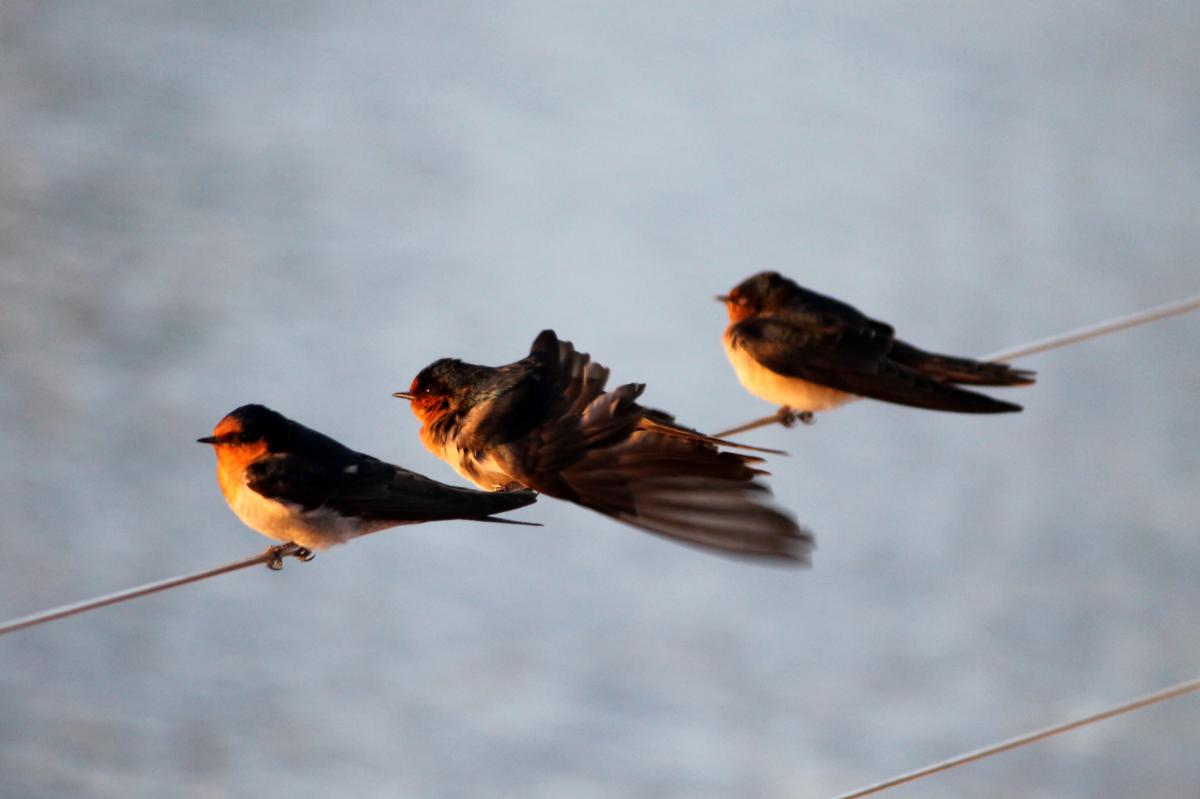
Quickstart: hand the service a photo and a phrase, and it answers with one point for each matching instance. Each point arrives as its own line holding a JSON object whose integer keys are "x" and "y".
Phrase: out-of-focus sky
{"x": 303, "y": 203}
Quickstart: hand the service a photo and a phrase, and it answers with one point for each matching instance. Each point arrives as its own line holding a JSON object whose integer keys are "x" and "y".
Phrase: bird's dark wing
{"x": 795, "y": 342}
{"x": 953, "y": 369}
{"x": 855, "y": 360}
{"x": 371, "y": 489}
{"x": 606, "y": 452}
{"x": 676, "y": 482}
{"x": 543, "y": 385}
{"x": 535, "y": 413}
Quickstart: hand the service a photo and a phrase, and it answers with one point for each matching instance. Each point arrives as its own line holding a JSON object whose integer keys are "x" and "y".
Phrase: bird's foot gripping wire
{"x": 281, "y": 551}
{"x": 784, "y": 416}
{"x": 789, "y": 417}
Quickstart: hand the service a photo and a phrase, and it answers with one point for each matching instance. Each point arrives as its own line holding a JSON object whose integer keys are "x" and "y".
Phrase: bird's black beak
{"x": 408, "y": 395}
{"x": 207, "y": 440}
{"x": 722, "y": 298}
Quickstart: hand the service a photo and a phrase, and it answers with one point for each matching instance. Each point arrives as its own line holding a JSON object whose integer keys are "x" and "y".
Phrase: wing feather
{"x": 779, "y": 346}
{"x": 606, "y": 452}
{"x": 371, "y": 489}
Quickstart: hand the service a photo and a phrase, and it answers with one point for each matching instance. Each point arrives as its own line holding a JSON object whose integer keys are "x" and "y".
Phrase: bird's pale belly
{"x": 486, "y": 472}
{"x": 793, "y": 392}
{"x": 283, "y": 521}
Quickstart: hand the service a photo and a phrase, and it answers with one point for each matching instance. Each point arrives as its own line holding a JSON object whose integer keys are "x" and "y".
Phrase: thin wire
{"x": 1095, "y": 331}
{"x": 787, "y": 419}
{"x": 1023, "y": 740}
{"x": 779, "y": 417}
{"x": 64, "y": 611}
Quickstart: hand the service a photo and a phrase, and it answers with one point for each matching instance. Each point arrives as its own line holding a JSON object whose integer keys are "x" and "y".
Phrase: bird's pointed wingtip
{"x": 546, "y": 341}
{"x": 501, "y": 520}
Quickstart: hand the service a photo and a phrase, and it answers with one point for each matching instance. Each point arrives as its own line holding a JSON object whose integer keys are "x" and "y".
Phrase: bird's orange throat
{"x": 738, "y": 312}
{"x": 234, "y": 456}
{"x": 428, "y": 408}
{"x": 232, "y": 460}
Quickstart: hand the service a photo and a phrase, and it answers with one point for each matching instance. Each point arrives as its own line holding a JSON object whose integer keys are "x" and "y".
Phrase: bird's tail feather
{"x": 951, "y": 369}
{"x": 468, "y": 503}
{"x": 687, "y": 490}
{"x": 893, "y": 382}
{"x": 500, "y": 520}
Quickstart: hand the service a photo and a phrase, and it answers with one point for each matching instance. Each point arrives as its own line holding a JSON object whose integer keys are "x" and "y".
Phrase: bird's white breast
{"x": 285, "y": 521}
{"x": 797, "y": 394}
{"x": 484, "y": 471}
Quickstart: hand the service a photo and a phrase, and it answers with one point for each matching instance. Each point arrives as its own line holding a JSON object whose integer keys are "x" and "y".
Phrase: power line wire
{"x": 787, "y": 417}
{"x": 1172, "y": 692}
{"x": 1102, "y": 329}
{"x": 273, "y": 555}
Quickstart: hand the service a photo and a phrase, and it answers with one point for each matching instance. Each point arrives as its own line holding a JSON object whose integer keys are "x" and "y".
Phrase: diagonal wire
{"x": 1102, "y": 329}
{"x": 33, "y": 620}
{"x": 787, "y": 419}
{"x": 1171, "y": 692}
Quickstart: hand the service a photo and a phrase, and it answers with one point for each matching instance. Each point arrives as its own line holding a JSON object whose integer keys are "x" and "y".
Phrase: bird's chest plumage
{"x": 780, "y": 389}
{"x": 480, "y": 467}
{"x": 271, "y": 518}
{"x": 483, "y": 467}
{"x": 316, "y": 528}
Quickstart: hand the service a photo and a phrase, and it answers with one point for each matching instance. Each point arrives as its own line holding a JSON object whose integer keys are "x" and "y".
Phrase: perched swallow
{"x": 808, "y": 352}
{"x": 296, "y": 485}
{"x": 545, "y": 422}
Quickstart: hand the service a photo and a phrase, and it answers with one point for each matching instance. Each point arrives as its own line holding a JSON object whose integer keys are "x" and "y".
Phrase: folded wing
{"x": 374, "y": 490}
{"x": 860, "y": 358}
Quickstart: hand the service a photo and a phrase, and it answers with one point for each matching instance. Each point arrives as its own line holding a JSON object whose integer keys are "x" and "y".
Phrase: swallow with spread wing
{"x": 546, "y": 422}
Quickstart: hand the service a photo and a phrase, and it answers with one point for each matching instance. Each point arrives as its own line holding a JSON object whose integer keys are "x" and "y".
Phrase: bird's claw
{"x": 275, "y": 561}
{"x": 789, "y": 417}
{"x": 277, "y": 553}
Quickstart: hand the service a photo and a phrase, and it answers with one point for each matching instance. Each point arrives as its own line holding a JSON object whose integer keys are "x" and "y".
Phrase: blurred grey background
{"x": 303, "y": 203}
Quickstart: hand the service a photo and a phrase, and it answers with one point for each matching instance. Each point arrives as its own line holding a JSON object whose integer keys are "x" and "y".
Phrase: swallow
{"x": 809, "y": 353}
{"x": 296, "y": 485}
{"x": 546, "y": 423}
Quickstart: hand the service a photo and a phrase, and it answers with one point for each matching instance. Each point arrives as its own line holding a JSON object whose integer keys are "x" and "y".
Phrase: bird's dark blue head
{"x": 764, "y": 292}
{"x": 446, "y": 386}
{"x": 250, "y": 425}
